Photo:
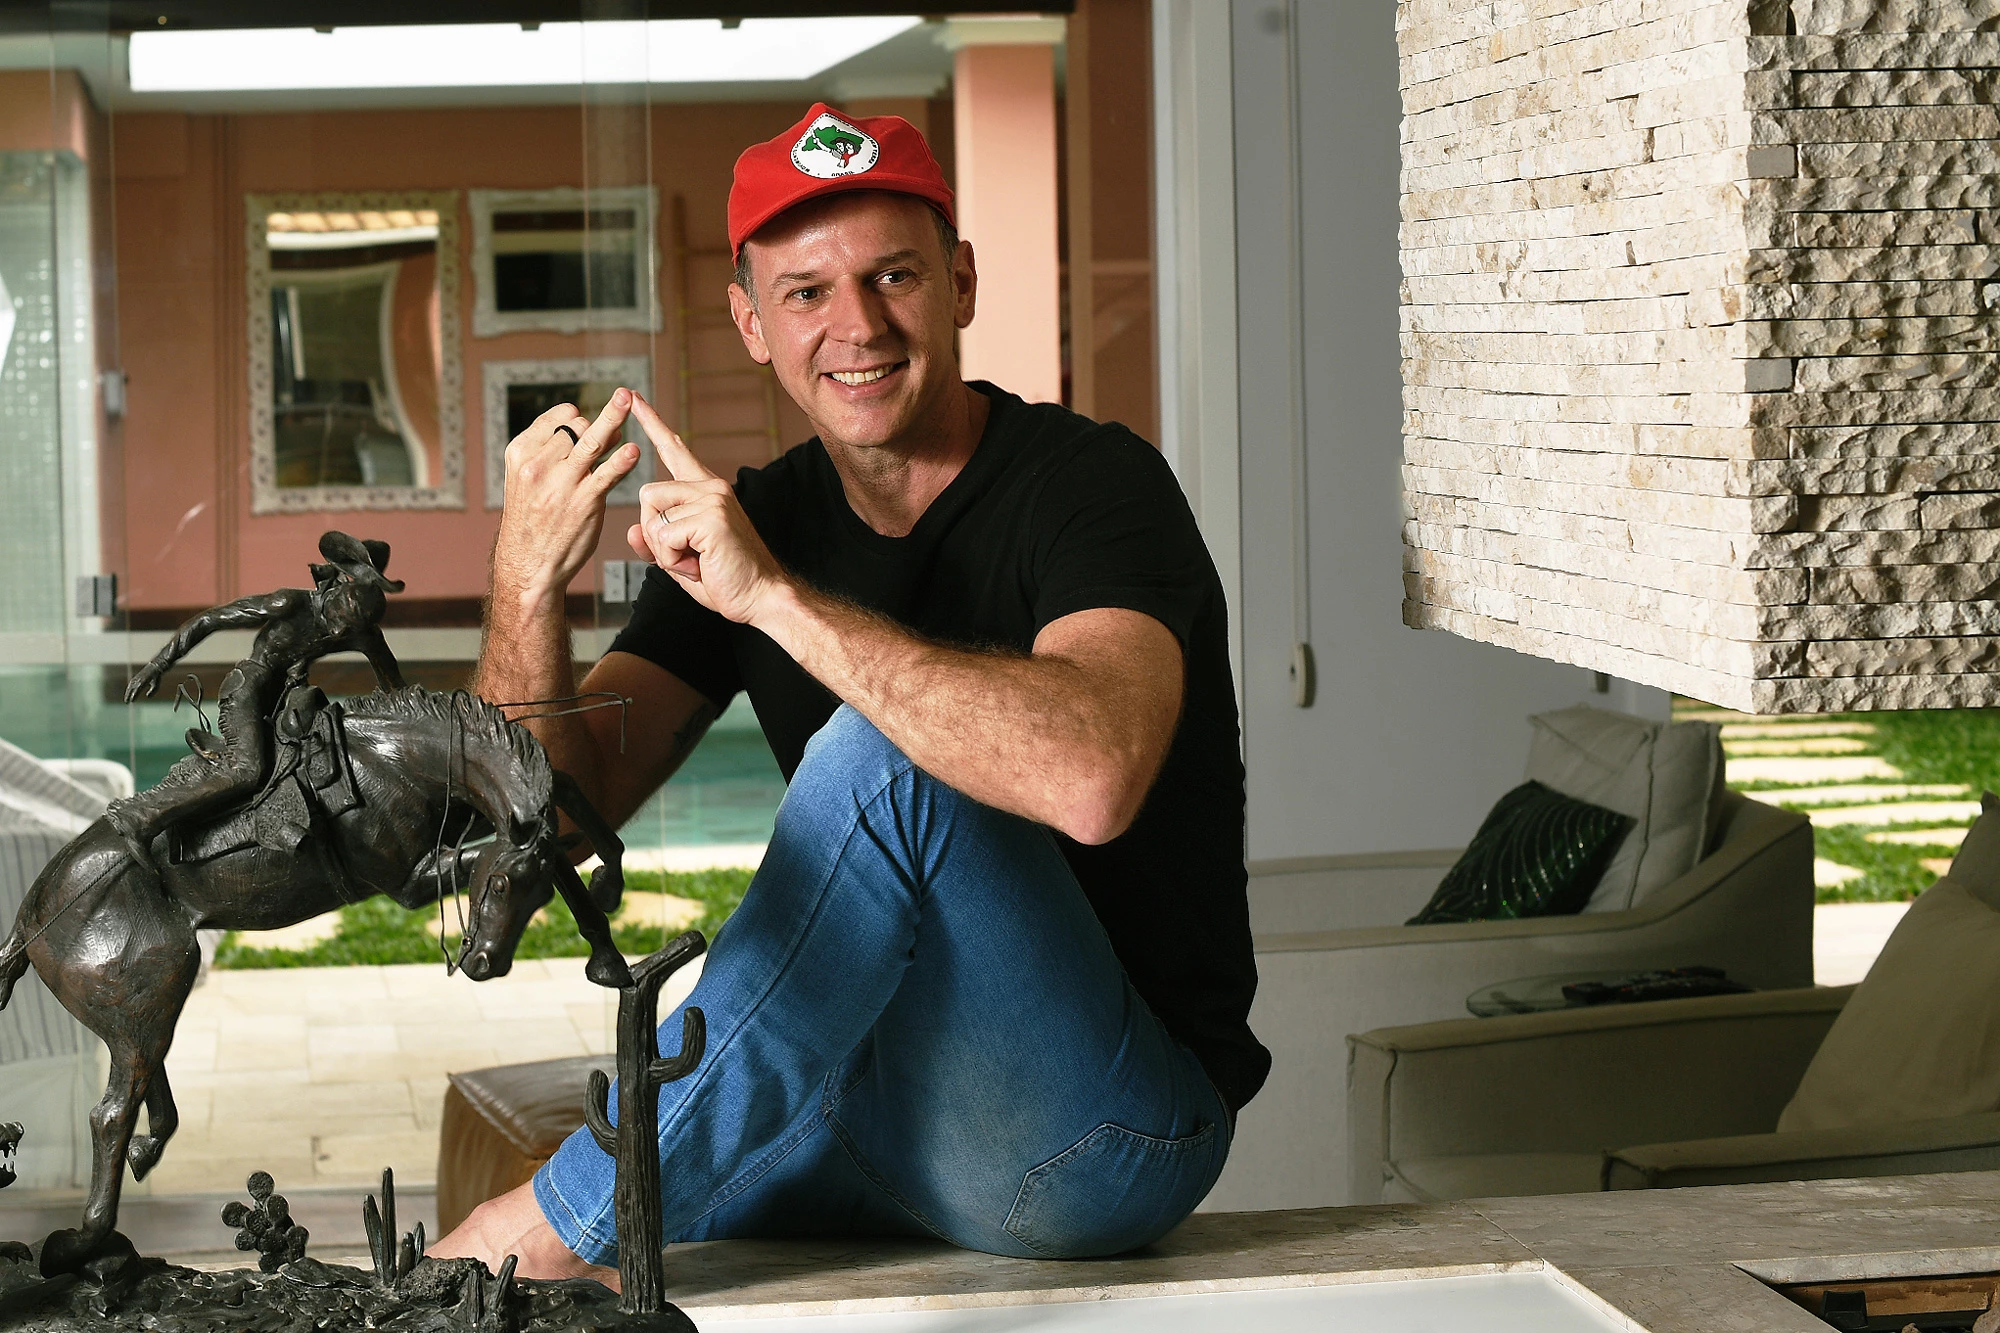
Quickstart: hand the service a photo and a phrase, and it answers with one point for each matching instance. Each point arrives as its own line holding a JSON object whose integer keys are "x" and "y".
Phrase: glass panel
{"x": 321, "y": 290}
{"x": 65, "y": 746}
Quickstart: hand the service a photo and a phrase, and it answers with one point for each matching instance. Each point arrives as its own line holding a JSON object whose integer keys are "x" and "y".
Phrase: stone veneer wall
{"x": 1701, "y": 372}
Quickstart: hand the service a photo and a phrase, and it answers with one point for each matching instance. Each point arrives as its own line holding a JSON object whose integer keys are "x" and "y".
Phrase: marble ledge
{"x": 1666, "y": 1261}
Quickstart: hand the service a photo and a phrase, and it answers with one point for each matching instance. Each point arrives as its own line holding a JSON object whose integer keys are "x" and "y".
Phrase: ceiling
{"x": 102, "y": 16}
{"x": 911, "y": 63}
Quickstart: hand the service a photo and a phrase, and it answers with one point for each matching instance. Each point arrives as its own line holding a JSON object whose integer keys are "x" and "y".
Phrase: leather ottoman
{"x": 501, "y": 1124}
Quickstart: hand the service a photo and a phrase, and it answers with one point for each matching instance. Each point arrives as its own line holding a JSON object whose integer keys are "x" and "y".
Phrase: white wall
{"x": 1414, "y": 734}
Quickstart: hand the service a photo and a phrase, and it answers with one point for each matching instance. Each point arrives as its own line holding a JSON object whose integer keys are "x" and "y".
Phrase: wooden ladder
{"x": 690, "y": 317}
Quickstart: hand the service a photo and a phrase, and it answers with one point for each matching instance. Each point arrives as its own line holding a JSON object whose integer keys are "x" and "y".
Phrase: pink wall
{"x": 47, "y": 111}
{"x": 181, "y": 180}
{"x": 1005, "y": 120}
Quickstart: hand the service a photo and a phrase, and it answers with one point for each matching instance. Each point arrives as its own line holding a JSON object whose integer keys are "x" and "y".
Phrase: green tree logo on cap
{"x": 831, "y": 148}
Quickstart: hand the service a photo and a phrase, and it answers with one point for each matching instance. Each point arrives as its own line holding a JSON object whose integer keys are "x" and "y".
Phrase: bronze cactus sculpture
{"x": 632, "y": 1141}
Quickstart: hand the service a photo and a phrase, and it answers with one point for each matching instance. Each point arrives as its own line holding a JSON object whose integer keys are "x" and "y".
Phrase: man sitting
{"x": 991, "y": 981}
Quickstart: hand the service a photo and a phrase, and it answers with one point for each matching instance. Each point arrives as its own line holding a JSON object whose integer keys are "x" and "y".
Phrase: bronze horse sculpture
{"x": 423, "y": 774}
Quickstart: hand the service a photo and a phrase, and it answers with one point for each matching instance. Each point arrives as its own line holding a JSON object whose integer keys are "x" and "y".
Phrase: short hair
{"x": 947, "y": 237}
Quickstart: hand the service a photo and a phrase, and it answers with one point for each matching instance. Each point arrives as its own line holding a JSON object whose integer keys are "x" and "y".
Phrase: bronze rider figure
{"x": 341, "y": 613}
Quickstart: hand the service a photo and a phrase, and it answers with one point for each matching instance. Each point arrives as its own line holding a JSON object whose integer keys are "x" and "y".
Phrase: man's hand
{"x": 555, "y": 498}
{"x": 513, "y": 1224}
{"x": 694, "y": 528}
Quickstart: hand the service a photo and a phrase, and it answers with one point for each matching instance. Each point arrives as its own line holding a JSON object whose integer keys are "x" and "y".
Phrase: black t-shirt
{"x": 1053, "y": 514}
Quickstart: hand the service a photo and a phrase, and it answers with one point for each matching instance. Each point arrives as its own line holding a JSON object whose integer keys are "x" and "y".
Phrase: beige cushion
{"x": 1920, "y": 1040}
{"x": 1977, "y": 865}
{"x": 1666, "y": 776}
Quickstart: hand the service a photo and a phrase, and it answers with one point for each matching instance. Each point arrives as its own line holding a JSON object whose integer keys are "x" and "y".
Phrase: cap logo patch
{"x": 831, "y": 148}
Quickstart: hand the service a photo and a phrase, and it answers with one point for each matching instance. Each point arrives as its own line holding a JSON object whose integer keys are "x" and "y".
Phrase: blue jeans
{"x": 916, "y": 1026}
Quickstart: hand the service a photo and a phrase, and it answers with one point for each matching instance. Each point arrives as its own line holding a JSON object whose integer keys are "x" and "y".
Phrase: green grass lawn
{"x": 1958, "y": 745}
{"x": 377, "y": 931}
{"x": 1893, "y": 872}
{"x": 1943, "y": 745}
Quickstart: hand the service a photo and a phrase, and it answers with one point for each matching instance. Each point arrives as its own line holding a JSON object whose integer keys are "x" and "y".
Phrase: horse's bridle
{"x": 543, "y": 840}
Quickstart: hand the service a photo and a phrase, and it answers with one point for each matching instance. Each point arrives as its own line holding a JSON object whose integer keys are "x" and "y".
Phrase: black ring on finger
{"x": 573, "y": 440}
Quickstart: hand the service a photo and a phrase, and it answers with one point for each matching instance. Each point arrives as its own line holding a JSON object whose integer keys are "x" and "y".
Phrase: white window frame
{"x": 489, "y": 321}
{"x": 266, "y": 496}
{"x": 634, "y": 372}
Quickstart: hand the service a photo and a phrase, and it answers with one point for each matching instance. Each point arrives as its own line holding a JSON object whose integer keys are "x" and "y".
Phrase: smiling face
{"x": 855, "y": 307}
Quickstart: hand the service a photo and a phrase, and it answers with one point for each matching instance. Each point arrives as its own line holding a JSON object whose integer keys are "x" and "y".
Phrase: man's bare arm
{"x": 618, "y": 755}
{"x": 1071, "y": 735}
{"x": 558, "y": 472}
{"x": 665, "y": 719}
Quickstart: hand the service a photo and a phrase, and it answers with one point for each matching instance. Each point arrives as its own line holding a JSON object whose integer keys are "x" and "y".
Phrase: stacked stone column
{"x": 1701, "y": 381}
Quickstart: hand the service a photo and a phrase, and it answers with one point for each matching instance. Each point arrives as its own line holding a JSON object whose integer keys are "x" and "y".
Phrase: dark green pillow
{"x": 1539, "y": 853}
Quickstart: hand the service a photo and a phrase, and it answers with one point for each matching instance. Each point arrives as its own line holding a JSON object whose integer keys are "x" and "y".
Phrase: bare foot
{"x": 513, "y": 1224}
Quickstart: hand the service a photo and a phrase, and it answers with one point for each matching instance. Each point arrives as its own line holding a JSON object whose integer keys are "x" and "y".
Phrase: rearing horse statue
{"x": 116, "y": 945}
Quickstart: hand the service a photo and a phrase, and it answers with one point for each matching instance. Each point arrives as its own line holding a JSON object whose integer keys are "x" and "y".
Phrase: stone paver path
{"x": 1847, "y": 936}
{"x": 1828, "y": 770}
{"x": 323, "y": 1076}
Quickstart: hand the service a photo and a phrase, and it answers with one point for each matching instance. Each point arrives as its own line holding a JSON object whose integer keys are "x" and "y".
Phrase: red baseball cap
{"x": 826, "y": 152}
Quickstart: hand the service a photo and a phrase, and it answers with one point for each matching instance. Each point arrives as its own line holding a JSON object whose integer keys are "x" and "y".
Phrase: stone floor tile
{"x": 227, "y": 1082}
{"x": 193, "y": 1050}
{"x": 304, "y": 1129}
{"x": 1853, "y": 793}
{"x": 426, "y": 1037}
{"x": 334, "y": 1102}
{"x": 427, "y": 1095}
{"x": 452, "y": 1060}
{"x": 1895, "y": 812}
{"x": 304, "y": 935}
{"x": 421, "y": 981}
{"x": 359, "y": 1158}
{"x": 1806, "y": 745}
{"x": 1832, "y": 768}
{"x": 1937, "y": 865}
{"x": 1848, "y": 936}
{"x": 194, "y": 1104}
{"x": 1921, "y": 837}
{"x": 1831, "y": 874}
{"x": 544, "y": 1001}
{"x": 323, "y": 1039}
{"x": 290, "y": 1165}
{"x": 276, "y": 1041}
{"x": 372, "y": 1067}
{"x": 379, "y": 1011}
{"x": 356, "y": 1059}
{"x": 1777, "y": 730}
{"x": 1722, "y": 715}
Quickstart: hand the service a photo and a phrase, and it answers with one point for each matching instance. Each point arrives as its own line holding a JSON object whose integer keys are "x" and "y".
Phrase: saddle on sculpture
{"x": 312, "y": 780}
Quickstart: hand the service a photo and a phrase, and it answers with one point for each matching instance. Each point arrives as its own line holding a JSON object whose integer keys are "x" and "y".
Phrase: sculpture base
{"x": 151, "y": 1294}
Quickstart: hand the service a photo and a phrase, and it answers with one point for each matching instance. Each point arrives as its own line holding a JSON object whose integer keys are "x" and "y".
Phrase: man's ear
{"x": 749, "y": 325}
{"x": 965, "y": 284}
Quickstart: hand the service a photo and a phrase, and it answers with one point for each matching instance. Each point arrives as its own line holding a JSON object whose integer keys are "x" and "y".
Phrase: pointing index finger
{"x": 679, "y": 460}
